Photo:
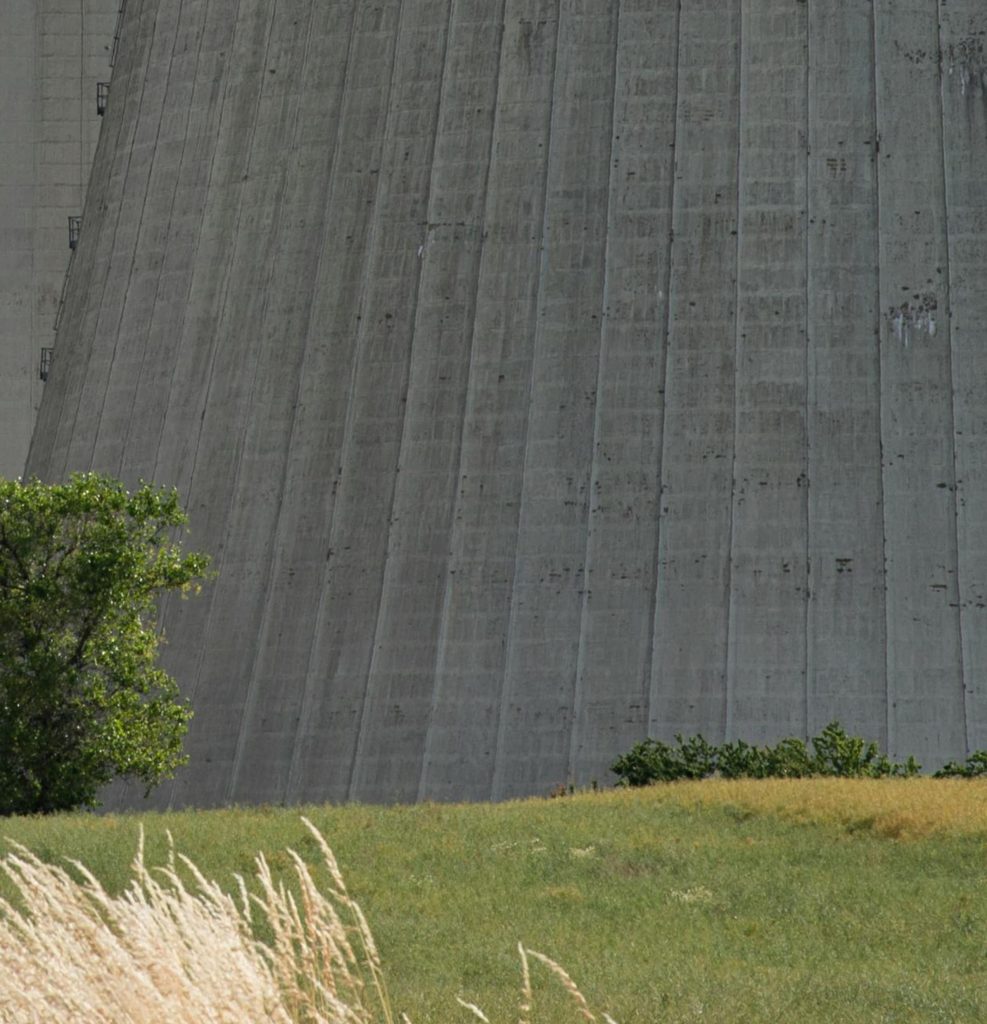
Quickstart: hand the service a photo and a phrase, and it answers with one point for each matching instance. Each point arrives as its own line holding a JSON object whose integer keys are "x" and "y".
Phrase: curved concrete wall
{"x": 542, "y": 374}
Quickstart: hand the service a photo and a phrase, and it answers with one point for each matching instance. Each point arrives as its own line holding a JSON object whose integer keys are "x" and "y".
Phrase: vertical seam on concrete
{"x": 137, "y": 239}
{"x": 888, "y": 702}
{"x": 109, "y": 261}
{"x": 808, "y": 402}
{"x": 140, "y": 223}
{"x": 505, "y": 692}
{"x": 367, "y": 701}
{"x": 578, "y": 687}
{"x": 346, "y": 83}
{"x": 651, "y": 696}
{"x": 252, "y": 681}
{"x": 196, "y": 678}
{"x": 443, "y": 632}
{"x": 729, "y": 662}
{"x": 171, "y": 215}
{"x": 948, "y": 317}
{"x": 650, "y": 667}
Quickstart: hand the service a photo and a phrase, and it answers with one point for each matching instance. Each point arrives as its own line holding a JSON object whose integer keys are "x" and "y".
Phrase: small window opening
{"x": 46, "y": 354}
{"x": 102, "y": 97}
{"x": 75, "y": 228}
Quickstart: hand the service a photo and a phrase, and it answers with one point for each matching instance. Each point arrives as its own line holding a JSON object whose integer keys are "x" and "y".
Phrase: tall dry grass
{"x": 165, "y": 950}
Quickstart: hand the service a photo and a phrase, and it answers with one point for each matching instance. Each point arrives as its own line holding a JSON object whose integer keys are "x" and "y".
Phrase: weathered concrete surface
{"x": 544, "y": 373}
{"x": 52, "y": 54}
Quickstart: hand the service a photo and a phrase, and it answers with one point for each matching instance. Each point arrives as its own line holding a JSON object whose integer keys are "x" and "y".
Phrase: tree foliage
{"x": 81, "y": 699}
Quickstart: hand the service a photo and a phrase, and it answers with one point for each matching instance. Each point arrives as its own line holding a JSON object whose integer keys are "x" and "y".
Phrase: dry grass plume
{"x": 167, "y": 951}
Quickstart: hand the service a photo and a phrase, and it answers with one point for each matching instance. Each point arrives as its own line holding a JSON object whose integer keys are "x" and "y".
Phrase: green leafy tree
{"x": 81, "y": 699}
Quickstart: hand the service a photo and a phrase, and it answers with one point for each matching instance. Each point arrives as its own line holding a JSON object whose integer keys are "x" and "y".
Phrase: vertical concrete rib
{"x": 889, "y": 728}
{"x": 729, "y": 653}
{"x": 846, "y": 670}
{"x": 617, "y": 619}
{"x": 688, "y": 683}
{"x": 956, "y": 587}
{"x": 963, "y": 92}
{"x": 585, "y": 593}
{"x": 483, "y": 538}
{"x": 666, "y": 328}
{"x": 541, "y": 665}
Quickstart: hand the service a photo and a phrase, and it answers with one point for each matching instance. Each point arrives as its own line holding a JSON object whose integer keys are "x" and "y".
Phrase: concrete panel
{"x": 613, "y": 674}
{"x": 846, "y": 672}
{"x": 480, "y": 580}
{"x": 926, "y": 698}
{"x": 962, "y": 40}
{"x": 769, "y": 529}
{"x": 538, "y": 703}
{"x": 688, "y": 691}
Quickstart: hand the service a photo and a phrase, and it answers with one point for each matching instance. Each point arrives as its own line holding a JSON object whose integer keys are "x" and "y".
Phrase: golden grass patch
{"x": 904, "y": 809}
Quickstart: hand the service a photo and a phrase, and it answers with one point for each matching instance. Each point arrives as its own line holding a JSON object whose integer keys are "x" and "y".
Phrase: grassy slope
{"x": 684, "y": 903}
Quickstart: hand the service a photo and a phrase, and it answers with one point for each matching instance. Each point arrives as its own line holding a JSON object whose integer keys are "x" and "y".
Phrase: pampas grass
{"x": 167, "y": 951}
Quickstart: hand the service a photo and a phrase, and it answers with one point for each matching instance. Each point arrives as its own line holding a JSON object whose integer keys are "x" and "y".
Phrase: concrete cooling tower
{"x": 544, "y": 374}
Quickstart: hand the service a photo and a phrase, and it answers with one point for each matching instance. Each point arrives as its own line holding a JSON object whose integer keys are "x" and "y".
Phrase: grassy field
{"x": 802, "y": 901}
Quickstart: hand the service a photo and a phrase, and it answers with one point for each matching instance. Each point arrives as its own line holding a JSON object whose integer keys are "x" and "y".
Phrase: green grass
{"x": 662, "y": 906}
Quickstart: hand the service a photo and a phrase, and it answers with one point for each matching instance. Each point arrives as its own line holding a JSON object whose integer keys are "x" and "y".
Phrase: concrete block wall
{"x": 543, "y": 374}
{"x": 52, "y": 54}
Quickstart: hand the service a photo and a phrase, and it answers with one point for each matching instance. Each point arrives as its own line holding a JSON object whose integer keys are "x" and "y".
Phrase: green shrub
{"x": 834, "y": 753}
{"x": 974, "y": 767}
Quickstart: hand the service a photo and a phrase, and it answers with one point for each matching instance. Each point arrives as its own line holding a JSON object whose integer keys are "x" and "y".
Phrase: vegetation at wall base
{"x": 833, "y": 753}
{"x": 81, "y": 698}
{"x": 818, "y": 900}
